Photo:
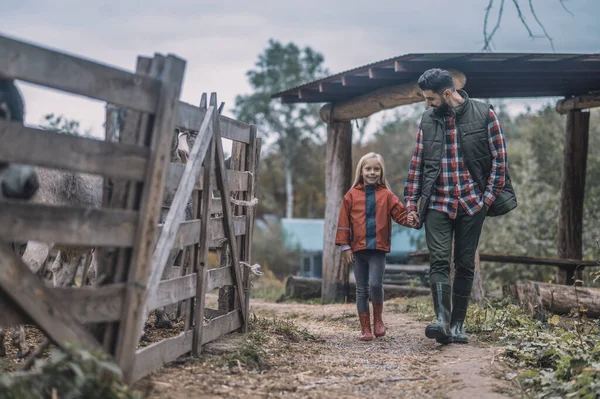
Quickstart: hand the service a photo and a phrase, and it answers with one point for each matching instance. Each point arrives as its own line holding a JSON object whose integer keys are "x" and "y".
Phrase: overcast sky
{"x": 220, "y": 41}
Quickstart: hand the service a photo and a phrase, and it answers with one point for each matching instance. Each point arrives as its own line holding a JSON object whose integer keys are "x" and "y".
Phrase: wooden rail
{"x": 526, "y": 260}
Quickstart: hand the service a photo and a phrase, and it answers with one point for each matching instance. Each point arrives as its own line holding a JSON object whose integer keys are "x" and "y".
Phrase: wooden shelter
{"x": 363, "y": 91}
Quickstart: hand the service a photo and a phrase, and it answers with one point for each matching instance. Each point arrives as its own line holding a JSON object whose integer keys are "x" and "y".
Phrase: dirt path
{"x": 402, "y": 364}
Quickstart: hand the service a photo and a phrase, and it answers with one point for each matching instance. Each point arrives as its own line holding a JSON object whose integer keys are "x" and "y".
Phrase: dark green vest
{"x": 472, "y": 127}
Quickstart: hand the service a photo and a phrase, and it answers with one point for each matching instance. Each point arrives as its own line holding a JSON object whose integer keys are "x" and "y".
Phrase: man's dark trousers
{"x": 439, "y": 229}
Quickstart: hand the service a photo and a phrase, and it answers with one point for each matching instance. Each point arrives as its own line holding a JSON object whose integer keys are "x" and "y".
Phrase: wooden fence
{"x": 132, "y": 246}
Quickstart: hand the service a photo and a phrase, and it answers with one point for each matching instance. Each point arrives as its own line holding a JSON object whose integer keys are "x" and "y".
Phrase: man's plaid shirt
{"x": 454, "y": 185}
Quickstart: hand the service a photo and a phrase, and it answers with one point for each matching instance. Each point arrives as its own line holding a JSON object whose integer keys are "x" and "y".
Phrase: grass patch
{"x": 74, "y": 373}
{"x": 253, "y": 353}
{"x": 267, "y": 286}
{"x": 554, "y": 356}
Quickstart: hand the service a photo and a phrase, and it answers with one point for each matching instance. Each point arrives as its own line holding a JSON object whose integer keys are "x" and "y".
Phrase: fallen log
{"x": 309, "y": 288}
{"x": 539, "y": 298}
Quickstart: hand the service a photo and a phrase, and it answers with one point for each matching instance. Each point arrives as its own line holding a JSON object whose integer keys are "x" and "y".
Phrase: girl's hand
{"x": 348, "y": 256}
{"x": 413, "y": 219}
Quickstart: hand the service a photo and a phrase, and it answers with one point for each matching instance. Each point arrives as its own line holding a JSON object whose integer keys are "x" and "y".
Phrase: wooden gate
{"x": 132, "y": 245}
{"x": 228, "y": 225}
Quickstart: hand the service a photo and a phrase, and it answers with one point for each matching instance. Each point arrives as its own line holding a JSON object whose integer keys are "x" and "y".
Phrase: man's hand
{"x": 413, "y": 219}
{"x": 348, "y": 256}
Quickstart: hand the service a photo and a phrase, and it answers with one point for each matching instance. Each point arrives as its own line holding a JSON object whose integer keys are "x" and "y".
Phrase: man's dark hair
{"x": 436, "y": 80}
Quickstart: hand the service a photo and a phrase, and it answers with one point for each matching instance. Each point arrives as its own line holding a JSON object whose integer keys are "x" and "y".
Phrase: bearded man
{"x": 457, "y": 177}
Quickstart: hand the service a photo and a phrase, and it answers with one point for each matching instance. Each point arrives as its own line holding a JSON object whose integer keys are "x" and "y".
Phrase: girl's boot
{"x": 365, "y": 326}
{"x": 378, "y": 326}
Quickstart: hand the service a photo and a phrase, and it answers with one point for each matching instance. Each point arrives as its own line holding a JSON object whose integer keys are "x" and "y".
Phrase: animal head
{"x": 16, "y": 181}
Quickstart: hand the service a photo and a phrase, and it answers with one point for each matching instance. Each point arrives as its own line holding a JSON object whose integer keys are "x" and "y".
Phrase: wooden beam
{"x": 338, "y": 178}
{"x": 173, "y": 290}
{"x": 223, "y": 186}
{"x": 49, "y": 314}
{"x": 577, "y": 103}
{"x": 189, "y": 231}
{"x": 525, "y": 260}
{"x": 153, "y": 357}
{"x": 133, "y": 315}
{"x": 190, "y": 117}
{"x": 329, "y": 87}
{"x": 383, "y": 73}
{"x": 570, "y": 216}
{"x": 201, "y": 256}
{"x": 77, "y": 154}
{"x": 384, "y": 98}
{"x": 364, "y": 81}
{"x": 21, "y": 222}
{"x": 24, "y": 61}
{"x": 238, "y": 180}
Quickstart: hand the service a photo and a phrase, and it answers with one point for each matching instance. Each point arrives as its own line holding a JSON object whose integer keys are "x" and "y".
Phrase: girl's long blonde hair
{"x": 358, "y": 174}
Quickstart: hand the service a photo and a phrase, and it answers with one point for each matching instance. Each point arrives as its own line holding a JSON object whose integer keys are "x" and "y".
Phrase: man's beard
{"x": 442, "y": 109}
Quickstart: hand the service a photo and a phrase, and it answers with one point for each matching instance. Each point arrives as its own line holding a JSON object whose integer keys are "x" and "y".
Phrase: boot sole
{"x": 460, "y": 341}
{"x": 437, "y": 334}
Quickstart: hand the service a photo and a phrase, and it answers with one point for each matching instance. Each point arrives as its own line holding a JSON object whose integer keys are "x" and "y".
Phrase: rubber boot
{"x": 378, "y": 326}
{"x": 440, "y": 329}
{"x": 460, "y": 302}
{"x": 365, "y": 326}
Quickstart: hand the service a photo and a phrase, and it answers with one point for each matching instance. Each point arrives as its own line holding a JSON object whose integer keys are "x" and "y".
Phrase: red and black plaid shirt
{"x": 455, "y": 185}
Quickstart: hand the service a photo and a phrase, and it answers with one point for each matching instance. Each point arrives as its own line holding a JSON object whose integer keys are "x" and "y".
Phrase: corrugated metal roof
{"x": 489, "y": 75}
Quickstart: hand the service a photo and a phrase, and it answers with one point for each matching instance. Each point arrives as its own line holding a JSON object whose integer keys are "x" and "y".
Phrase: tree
{"x": 61, "y": 124}
{"x": 489, "y": 34}
{"x": 278, "y": 68}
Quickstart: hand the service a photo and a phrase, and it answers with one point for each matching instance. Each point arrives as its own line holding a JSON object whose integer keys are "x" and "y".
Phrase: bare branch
{"x": 522, "y": 18}
{"x": 541, "y": 25}
{"x": 562, "y": 3}
{"x": 488, "y": 39}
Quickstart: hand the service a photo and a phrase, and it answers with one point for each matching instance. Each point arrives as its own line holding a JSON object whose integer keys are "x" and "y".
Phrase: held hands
{"x": 413, "y": 219}
{"x": 348, "y": 256}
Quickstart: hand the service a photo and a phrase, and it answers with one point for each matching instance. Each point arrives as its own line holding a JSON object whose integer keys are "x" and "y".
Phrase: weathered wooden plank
{"x": 133, "y": 315}
{"x": 189, "y": 231}
{"x": 153, "y": 357}
{"x": 576, "y": 103}
{"x": 29, "y": 293}
{"x": 24, "y": 61}
{"x": 219, "y": 277}
{"x": 202, "y": 254}
{"x": 338, "y": 179}
{"x": 190, "y": 118}
{"x": 570, "y": 216}
{"x": 223, "y": 186}
{"x": 252, "y": 159}
{"x": 222, "y": 325}
{"x": 174, "y": 290}
{"x": 78, "y": 154}
{"x": 169, "y": 231}
{"x": 526, "y": 260}
{"x": 86, "y": 304}
{"x": 92, "y": 304}
{"x": 73, "y": 226}
{"x": 238, "y": 180}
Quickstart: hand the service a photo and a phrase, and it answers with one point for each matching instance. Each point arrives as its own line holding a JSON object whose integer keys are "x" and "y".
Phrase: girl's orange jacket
{"x": 365, "y": 218}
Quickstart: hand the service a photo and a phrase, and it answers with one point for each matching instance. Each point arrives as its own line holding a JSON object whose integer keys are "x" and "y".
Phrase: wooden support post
{"x": 202, "y": 254}
{"x": 570, "y": 218}
{"x": 338, "y": 178}
{"x": 223, "y": 186}
{"x": 252, "y": 159}
{"x": 134, "y": 307}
